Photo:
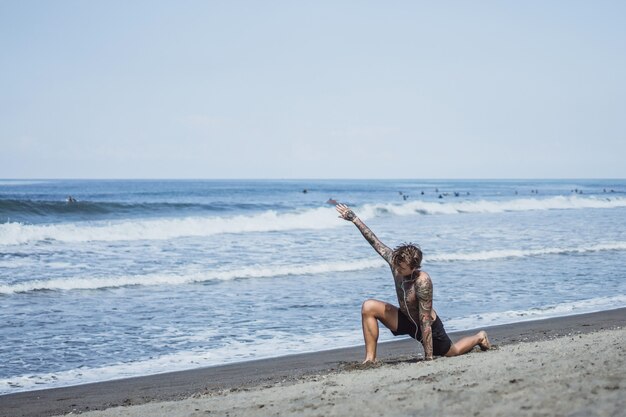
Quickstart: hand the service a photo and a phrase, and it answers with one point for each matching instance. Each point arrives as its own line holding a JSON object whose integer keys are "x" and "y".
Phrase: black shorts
{"x": 441, "y": 341}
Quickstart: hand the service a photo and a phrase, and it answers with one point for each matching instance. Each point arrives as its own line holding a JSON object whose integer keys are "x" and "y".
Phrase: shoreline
{"x": 562, "y": 376}
{"x": 179, "y": 385}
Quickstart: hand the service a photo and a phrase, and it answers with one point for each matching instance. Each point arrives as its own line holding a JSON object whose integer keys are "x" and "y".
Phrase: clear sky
{"x": 312, "y": 89}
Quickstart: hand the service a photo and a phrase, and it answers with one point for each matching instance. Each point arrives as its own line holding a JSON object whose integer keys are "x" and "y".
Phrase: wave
{"x": 485, "y": 206}
{"x": 14, "y": 233}
{"x": 255, "y": 271}
{"x": 84, "y": 209}
{"x": 522, "y": 253}
{"x": 274, "y": 345}
{"x": 544, "y": 312}
{"x": 268, "y": 271}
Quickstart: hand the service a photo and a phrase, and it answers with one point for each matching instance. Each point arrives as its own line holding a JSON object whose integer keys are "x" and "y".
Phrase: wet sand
{"x": 562, "y": 366}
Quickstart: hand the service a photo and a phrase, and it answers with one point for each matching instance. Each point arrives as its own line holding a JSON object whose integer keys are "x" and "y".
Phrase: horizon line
{"x": 310, "y": 179}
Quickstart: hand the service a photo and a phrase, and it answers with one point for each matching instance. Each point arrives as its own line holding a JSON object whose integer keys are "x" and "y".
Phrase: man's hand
{"x": 345, "y": 212}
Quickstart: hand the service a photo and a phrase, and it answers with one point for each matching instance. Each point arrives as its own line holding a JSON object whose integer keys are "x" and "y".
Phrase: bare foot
{"x": 369, "y": 364}
{"x": 360, "y": 366}
{"x": 484, "y": 341}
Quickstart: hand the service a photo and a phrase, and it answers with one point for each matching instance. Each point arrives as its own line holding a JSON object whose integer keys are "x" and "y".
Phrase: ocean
{"x": 144, "y": 277}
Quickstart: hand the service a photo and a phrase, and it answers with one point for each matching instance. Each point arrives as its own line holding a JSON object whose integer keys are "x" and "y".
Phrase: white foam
{"x": 187, "y": 277}
{"x": 484, "y": 206}
{"x": 522, "y": 253}
{"x": 13, "y": 233}
{"x": 160, "y": 229}
{"x": 16, "y": 263}
{"x": 278, "y": 344}
{"x": 556, "y": 310}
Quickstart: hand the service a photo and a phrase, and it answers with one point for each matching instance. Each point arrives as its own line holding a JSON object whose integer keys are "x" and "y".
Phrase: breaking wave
{"x": 258, "y": 271}
{"x": 268, "y": 271}
{"x": 537, "y": 313}
{"x": 15, "y": 233}
{"x": 484, "y": 206}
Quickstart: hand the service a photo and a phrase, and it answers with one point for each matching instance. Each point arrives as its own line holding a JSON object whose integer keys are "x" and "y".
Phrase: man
{"x": 414, "y": 288}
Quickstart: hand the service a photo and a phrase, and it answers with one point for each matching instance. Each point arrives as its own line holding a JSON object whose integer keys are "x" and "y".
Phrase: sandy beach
{"x": 569, "y": 376}
{"x": 562, "y": 366}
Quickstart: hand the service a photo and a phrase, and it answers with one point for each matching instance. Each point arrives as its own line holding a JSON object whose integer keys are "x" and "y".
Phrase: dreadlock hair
{"x": 409, "y": 253}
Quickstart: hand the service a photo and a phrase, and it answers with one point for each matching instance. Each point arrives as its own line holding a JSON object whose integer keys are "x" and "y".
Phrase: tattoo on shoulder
{"x": 424, "y": 287}
{"x": 424, "y": 291}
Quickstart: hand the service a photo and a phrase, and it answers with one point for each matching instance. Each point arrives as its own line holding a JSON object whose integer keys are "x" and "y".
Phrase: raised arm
{"x": 347, "y": 214}
{"x": 424, "y": 292}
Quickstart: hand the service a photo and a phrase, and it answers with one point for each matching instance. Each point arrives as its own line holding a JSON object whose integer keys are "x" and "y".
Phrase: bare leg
{"x": 372, "y": 312}
{"x": 466, "y": 344}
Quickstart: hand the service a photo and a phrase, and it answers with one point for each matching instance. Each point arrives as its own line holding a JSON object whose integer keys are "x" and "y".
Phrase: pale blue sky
{"x": 294, "y": 89}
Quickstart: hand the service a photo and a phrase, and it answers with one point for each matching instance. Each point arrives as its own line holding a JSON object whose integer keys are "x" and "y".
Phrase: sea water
{"x": 143, "y": 277}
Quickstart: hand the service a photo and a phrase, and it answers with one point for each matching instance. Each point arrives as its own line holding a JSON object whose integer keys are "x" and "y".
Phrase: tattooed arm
{"x": 424, "y": 292}
{"x": 347, "y": 214}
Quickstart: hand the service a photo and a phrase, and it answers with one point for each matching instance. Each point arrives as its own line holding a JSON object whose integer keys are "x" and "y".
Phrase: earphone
{"x": 407, "y": 308}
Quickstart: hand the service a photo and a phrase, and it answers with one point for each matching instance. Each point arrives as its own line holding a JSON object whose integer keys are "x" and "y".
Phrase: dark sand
{"x": 179, "y": 385}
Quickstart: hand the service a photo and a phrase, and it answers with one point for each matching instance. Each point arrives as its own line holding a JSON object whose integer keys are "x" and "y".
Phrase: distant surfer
{"x": 70, "y": 199}
{"x": 415, "y": 316}
{"x": 332, "y": 201}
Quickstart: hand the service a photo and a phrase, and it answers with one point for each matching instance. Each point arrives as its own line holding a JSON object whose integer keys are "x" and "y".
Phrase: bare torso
{"x": 407, "y": 297}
